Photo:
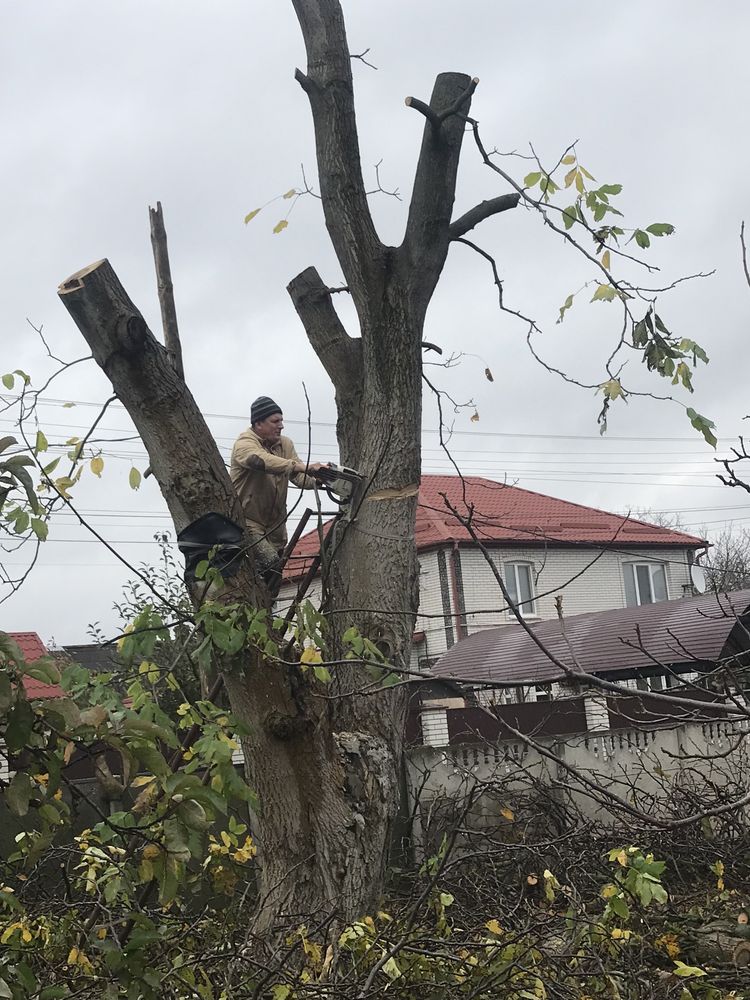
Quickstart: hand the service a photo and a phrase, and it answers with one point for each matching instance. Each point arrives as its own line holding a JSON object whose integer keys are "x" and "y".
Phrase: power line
{"x": 332, "y": 426}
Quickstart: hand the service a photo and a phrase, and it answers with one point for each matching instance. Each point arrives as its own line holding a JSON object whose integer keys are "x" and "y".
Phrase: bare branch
{"x": 328, "y": 84}
{"x": 480, "y": 212}
{"x": 361, "y": 57}
{"x": 165, "y": 287}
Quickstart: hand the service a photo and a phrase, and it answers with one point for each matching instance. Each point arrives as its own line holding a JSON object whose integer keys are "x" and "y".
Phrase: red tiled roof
{"x": 509, "y": 515}
{"x": 694, "y": 630}
{"x": 33, "y": 648}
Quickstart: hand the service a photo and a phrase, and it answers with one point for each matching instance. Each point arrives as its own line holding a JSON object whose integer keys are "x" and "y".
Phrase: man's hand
{"x": 310, "y": 469}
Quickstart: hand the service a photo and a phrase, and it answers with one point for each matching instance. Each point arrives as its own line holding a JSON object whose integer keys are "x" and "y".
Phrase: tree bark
{"x": 326, "y": 769}
{"x": 320, "y": 788}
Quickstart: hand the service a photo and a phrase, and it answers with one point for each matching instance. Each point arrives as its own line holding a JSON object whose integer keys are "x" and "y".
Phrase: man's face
{"x": 269, "y": 430}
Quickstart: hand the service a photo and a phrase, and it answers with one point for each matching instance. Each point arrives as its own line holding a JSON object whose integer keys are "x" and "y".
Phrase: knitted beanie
{"x": 262, "y": 408}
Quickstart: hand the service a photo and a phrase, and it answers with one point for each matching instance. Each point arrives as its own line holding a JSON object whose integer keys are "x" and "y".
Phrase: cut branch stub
{"x": 182, "y": 452}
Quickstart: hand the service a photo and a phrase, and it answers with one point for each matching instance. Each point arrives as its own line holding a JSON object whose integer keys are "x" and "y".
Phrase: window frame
{"x": 653, "y": 566}
{"x": 527, "y": 609}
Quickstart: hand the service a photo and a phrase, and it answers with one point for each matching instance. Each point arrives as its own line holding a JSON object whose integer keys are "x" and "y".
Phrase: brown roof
{"x": 509, "y": 515}
{"x": 691, "y": 631}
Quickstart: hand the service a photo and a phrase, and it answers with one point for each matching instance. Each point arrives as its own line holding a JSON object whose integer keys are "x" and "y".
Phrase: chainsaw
{"x": 339, "y": 482}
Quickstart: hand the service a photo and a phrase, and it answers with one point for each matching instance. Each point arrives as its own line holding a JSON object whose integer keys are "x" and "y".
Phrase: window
{"x": 543, "y": 692}
{"x": 520, "y": 583}
{"x": 645, "y": 583}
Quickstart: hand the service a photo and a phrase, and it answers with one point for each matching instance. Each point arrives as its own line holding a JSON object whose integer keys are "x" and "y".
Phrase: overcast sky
{"x": 106, "y": 108}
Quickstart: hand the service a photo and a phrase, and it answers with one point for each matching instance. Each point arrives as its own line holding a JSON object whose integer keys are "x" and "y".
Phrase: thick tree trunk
{"x": 326, "y": 794}
{"x": 324, "y": 760}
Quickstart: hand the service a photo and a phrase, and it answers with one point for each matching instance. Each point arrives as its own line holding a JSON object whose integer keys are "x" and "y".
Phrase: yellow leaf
{"x": 101, "y": 933}
{"x": 567, "y": 160}
{"x": 494, "y": 927}
{"x": 68, "y": 752}
{"x": 622, "y": 859}
{"x": 618, "y": 933}
{"x": 143, "y": 779}
{"x": 97, "y": 465}
{"x": 311, "y": 655}
{"x": 280, "y": 226}
{"x": 606, "y": 259}
{"x": 290, "y": 193}
{"x": 609, "y": 891}
{"x": 72, "y": 956}
{"x": 134, "y": 478}
{"x": 251, "y": 215}
{"x": 508, "y": 814}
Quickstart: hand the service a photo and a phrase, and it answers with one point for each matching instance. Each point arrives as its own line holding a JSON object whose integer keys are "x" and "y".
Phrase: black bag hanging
{"x": 211, "y": 531}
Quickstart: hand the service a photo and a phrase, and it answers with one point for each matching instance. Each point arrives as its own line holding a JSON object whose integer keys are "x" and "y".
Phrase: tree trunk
{"x": 324, "y": 759}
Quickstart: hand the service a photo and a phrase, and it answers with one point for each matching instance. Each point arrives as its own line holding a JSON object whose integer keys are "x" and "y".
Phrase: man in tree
{"x": 263, "y": 461}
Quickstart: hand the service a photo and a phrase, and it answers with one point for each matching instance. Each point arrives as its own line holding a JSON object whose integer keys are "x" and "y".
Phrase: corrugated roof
{"x": 33, "y": 648}
{"x": 702, "y": 628}
{"x": 510, "y": 515}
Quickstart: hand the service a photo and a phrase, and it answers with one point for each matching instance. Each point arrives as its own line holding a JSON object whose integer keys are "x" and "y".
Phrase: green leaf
{"x": 604, "y": 293}
{"x": 610, "y": 189}
{"x": 532, "y": 179}
{"x": 642, "y": 239}
{"x": 569, "y": 216}
{"x": 567, "y": 160}
{"x": 564, "y": 308}
{"x": 41, "y": 442}
{"x": 18, "y": 731}
{"x": 8, "y": 381}
{"x": 289, "y": 194}
{"x": 660, "y": 229}
{"x": 134, "y": 478}
{"x": 6, "y": 693}
{"x": 22, "y": 523}
{"x": 251, "y": 215}
{"x": 280, "y": 226}
{"x": 18, "y": 794}
{"x": 703, "y": 425}
{"x": 323, "y": 674}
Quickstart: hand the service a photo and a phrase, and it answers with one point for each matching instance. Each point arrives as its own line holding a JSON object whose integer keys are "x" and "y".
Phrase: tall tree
{"x": 326, "y": 770}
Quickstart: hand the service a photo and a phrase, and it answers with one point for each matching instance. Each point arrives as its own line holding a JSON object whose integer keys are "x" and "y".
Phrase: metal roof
{"x": 33, "y": 648}
{"x": 510, "y": 515}
{"x": 693, "y": 630}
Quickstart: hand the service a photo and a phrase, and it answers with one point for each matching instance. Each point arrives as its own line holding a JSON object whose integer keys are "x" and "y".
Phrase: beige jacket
{"x": 261, "y": 475}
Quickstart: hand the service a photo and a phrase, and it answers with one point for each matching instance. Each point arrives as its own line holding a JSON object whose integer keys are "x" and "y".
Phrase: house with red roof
{"x": 544, "y": 549}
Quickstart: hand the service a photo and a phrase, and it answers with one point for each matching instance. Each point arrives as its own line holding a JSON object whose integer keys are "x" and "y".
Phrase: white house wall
{"x": 586, "y": 583}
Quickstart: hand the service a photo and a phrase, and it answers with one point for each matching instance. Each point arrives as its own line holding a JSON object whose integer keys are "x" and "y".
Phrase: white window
{"x": 645, "y": 583}
{"x": 519, "y": 580}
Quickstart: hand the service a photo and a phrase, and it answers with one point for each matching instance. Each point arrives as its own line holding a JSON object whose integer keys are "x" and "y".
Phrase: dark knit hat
{"x": 262, "y": 408}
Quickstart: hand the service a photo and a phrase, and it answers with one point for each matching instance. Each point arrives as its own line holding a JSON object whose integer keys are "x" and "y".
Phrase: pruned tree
{"x": 325, "y": 761}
